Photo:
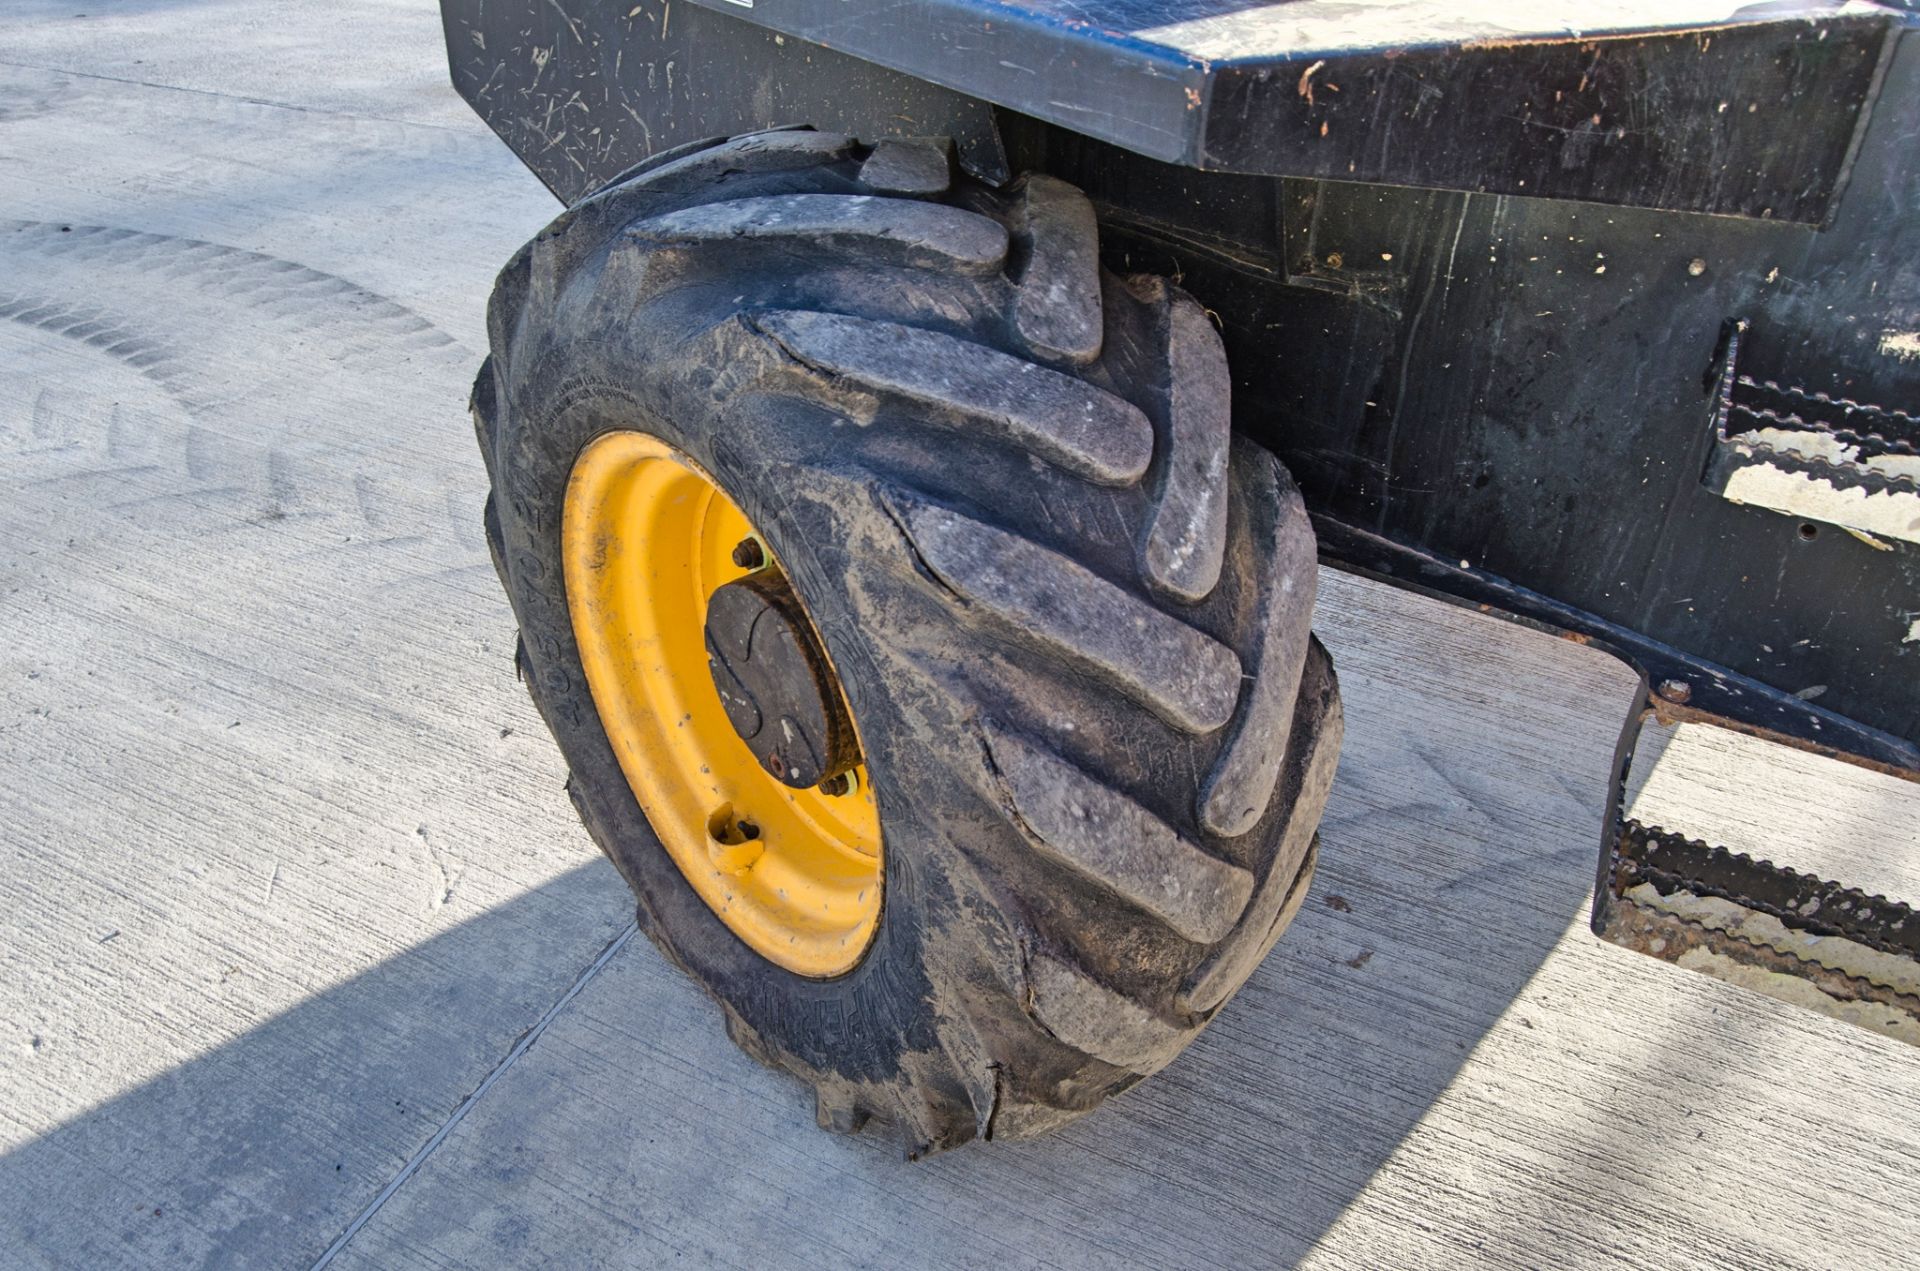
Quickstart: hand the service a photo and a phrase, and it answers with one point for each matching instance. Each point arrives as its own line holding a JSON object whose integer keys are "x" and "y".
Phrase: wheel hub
{"x": 721, "y": 704}
{"x": 775, "y": 683}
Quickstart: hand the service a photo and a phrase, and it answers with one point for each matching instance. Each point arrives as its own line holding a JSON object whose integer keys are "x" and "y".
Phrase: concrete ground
{"x": 304, "y": 957}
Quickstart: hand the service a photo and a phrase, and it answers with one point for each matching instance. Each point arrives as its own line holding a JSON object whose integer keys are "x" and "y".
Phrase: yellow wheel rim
{"x": 646, "y": 539}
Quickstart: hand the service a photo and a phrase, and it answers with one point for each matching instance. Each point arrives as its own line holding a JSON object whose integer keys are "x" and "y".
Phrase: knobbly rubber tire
{"x": 1069, "y": 610}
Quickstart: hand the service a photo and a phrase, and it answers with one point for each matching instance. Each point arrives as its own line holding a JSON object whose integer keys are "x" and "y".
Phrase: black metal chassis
{"x": 1476, "y": 283}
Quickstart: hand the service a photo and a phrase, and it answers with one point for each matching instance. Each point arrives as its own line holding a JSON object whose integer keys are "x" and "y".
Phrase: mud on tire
{"x": 1070, "y": 611}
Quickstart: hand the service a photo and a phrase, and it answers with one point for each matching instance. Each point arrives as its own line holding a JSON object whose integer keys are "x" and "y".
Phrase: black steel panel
{"x": 1688, "y": 105}
{"x": 1698, "y": 105}
{"x": 585, "y": 90}
{"x": 1757, "y": 120}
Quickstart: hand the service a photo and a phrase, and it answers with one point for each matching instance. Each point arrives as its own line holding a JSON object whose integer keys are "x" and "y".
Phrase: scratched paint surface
{"x": 1227, "y": 86}
{"x": 1293, "y": 27}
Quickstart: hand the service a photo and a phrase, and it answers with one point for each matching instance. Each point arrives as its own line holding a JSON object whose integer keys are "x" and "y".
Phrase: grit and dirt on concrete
{"x": 305, "y": 959}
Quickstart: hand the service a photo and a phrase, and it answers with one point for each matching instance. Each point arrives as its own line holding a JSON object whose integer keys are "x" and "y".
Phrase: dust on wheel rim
{"x": 647, "y": 537}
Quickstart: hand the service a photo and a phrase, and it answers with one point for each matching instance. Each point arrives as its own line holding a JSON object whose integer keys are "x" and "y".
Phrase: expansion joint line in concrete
{"x": 467, "y": 1104}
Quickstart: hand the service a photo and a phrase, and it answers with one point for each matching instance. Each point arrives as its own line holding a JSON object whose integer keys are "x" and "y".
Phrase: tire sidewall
{"x": 856, "y": 1025}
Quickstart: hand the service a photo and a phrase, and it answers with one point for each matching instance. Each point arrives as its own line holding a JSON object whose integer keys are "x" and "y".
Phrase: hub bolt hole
{"x": 728, "y": 830}
{"x": 736, "y": 843}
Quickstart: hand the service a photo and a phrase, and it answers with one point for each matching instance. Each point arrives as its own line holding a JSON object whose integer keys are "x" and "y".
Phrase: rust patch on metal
{"x": 1697, "y": 947}
{"x": 1677, "y": 691}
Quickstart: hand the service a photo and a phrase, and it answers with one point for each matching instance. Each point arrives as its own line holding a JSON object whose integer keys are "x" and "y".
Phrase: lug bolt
{"x": 748, "y": 554}
{"x": 839, "y": 783}
{"x": 1675, "y": 690}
